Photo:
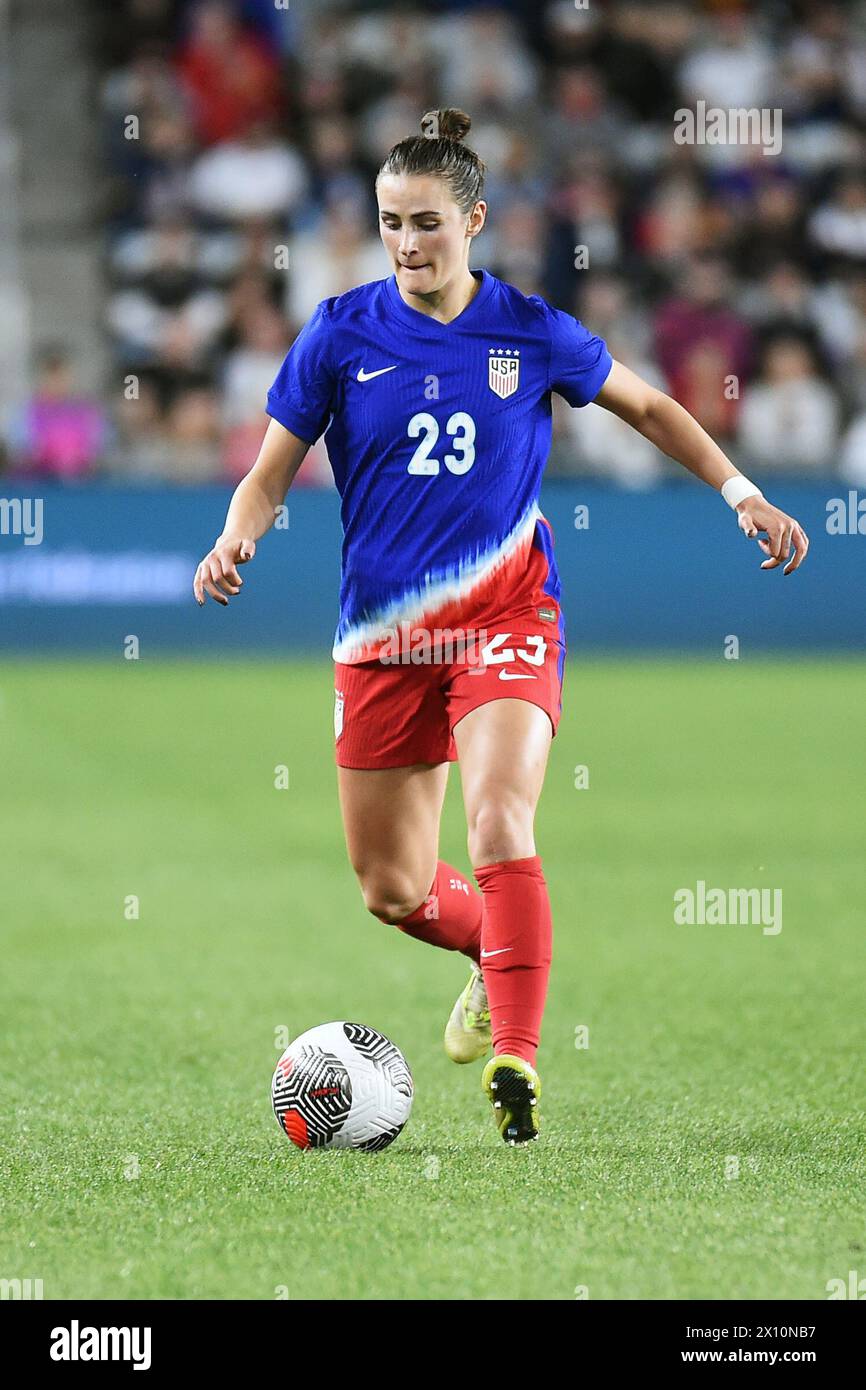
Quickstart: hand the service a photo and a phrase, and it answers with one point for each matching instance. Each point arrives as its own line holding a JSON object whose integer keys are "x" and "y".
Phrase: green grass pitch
{"x": 707, "y": 1143}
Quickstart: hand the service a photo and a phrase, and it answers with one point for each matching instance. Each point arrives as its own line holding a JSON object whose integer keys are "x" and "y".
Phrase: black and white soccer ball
{"x": 342, "y": 1086}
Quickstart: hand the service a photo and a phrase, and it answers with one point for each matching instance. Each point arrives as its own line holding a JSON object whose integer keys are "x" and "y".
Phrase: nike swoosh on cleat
{"x": 368, "y": 376}
{"x": 501, "y": 951}
{"x": 516, "y": 676}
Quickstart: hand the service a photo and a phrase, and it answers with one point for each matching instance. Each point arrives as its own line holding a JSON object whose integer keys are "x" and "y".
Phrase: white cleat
{"x": 467, "y": 1032}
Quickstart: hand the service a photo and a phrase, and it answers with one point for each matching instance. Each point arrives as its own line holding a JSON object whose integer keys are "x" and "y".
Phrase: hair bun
{"x": 447, "y": 124}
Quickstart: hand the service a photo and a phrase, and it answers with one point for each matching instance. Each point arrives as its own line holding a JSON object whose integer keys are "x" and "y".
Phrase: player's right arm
{"x": 251, "y": 513}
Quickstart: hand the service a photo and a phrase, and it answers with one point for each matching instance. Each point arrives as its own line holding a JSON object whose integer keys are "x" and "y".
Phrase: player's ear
{"x": 477, "y": 218}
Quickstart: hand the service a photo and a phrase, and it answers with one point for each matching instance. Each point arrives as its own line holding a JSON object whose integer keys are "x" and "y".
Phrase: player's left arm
{"x": 665, "y": 423}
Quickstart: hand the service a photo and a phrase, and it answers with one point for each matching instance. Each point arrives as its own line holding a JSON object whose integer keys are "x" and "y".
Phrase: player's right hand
{"x": 217, "y": 574}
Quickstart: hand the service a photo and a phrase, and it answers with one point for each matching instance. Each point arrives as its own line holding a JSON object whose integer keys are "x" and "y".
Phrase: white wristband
{"x": 737, "y": 489}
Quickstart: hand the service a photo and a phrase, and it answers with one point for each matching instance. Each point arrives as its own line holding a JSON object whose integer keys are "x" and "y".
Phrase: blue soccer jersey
{"x": 438, "y": 434}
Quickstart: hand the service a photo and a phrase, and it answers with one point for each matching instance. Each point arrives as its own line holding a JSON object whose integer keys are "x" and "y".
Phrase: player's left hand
{"x": 782, "y": 533}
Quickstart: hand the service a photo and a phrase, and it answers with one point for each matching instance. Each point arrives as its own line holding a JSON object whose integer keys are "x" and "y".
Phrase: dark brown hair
{"x": 439, "y": 150}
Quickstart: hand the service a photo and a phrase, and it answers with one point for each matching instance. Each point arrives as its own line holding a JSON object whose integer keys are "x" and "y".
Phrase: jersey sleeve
{"x": 579, "y": 361}
{"x": 302, "y": 395}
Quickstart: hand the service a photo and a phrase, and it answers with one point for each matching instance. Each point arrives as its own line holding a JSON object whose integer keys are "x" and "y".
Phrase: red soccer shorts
{"x": 394, "y": 715}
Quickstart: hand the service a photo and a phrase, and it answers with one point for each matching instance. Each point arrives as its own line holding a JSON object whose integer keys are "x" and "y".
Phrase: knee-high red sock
{"x": 450, "y": 915}
{"x": 516, "y": 941}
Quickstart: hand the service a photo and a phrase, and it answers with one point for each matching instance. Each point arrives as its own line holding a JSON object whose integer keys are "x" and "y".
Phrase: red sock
{"x": 516, "y": 940}
{"x": 450, "y": 915}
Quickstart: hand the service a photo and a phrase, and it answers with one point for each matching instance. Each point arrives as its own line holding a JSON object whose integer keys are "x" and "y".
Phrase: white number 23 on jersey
{"x": 461, "y": 428}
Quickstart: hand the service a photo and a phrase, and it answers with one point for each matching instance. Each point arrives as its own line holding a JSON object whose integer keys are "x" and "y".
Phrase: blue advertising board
{"x": 665, "y": 570}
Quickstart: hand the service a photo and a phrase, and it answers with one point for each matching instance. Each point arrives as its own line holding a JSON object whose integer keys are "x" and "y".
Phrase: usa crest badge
{"x": 503, "y": 371}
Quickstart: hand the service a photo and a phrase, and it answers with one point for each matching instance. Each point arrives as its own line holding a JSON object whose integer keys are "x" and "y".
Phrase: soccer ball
{"x": 342, "y": 1086}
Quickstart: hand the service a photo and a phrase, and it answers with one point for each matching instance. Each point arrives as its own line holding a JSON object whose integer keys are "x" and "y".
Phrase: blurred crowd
{"x": 241, "y": 145}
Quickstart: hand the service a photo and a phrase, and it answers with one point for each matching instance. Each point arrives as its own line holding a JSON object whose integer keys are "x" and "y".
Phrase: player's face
{"x": 423, "y": 230}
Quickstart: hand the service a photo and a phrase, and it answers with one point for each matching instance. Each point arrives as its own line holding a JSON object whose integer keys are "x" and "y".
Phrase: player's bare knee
{"x": 391, "y": 899}
{"x": 500, "y": 829}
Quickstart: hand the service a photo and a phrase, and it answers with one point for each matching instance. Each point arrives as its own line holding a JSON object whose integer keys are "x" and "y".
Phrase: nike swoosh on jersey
{"x": 516, "y": 676}
{"x": 500, "y": 952}
{"x": 368, "y": 376}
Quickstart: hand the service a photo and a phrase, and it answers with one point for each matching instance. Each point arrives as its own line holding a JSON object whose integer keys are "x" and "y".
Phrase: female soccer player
{"x": 433, "y": 390}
